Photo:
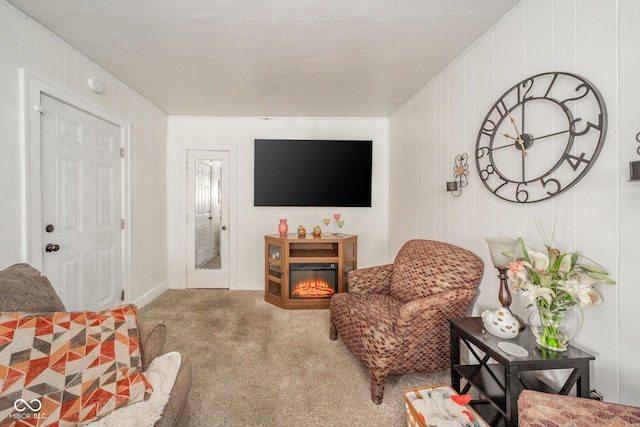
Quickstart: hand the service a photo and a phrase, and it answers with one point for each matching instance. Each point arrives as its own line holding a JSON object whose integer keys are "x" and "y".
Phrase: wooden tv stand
{"x": 280, "y": 252}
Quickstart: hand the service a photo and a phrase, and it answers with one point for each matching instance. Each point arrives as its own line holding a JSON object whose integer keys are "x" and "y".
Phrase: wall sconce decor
{"x": 460, "y": 173}
{"x": 634, "y": 167}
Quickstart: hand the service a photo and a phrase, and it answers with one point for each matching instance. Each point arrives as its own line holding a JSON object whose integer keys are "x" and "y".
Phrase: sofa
{"x": 537, "y": 409}
{"x": 394, "y": 316}
{"x": 24, "y": 289}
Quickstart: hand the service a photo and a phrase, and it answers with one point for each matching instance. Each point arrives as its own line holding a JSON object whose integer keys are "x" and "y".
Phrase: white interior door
{"x": 208, "y": 219}
{"x": 80, "y": 167}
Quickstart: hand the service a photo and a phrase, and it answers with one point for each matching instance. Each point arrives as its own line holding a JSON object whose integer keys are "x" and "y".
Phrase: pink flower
{"x": 517, "y": 267}
{"x": 517, "y": 272}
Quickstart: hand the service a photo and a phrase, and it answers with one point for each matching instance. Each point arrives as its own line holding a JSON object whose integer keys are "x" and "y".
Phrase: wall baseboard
{"x": 151, "y": 295}
{"x": 174, "y": 284}
{"x": 248, "y": 286}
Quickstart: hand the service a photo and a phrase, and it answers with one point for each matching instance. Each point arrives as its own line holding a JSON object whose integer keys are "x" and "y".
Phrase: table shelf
{"x": 489, "y": 413}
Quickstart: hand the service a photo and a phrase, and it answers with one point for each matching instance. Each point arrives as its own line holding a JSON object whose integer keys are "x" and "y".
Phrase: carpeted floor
{"x": 258, "y": 365}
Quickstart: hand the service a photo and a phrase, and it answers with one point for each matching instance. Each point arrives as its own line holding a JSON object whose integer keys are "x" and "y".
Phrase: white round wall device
{"x": 95, "y": 84}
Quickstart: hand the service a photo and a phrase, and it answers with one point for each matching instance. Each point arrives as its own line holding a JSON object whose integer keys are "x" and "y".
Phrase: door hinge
{"x": 38, "y": 108}
{"x": 122, "y": 152}
{"x": 122, "y": 295}
{"x": 122, "y": 224}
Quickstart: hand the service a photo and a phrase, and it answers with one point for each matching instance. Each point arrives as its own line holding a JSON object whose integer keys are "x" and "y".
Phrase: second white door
{"x": 207, "y": 219}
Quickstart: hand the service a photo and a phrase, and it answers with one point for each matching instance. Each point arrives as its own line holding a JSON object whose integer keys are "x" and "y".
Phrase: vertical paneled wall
{"x": 598, "y": 216}
{"x": 26, "y": 44}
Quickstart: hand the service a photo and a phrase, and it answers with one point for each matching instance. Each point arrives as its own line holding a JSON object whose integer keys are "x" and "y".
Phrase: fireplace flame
{"x": 312, "y": 288}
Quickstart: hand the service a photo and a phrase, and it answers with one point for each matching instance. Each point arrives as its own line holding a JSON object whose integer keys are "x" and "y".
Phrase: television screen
{"x": 312, "y": 173}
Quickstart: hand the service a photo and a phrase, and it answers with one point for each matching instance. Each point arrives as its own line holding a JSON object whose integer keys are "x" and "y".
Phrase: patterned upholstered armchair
{"x": 394, "y": 316}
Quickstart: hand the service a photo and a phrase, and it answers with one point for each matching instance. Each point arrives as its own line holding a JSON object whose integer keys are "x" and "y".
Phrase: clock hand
{"x": 551, "y": 134}
{"x": 519, "y": 141}
{"x": 496, "y": 147}
{"x": 519, "y": 138}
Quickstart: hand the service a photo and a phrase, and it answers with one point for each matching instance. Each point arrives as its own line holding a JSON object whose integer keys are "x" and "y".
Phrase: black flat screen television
{"x": 312, "y": 173}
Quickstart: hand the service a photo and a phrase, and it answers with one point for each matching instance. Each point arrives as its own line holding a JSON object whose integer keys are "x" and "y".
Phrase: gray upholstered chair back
{"x": 23, "y": 288}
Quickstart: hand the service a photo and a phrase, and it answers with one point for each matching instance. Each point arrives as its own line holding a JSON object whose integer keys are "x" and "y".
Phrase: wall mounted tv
{"x": 291, "y": 172}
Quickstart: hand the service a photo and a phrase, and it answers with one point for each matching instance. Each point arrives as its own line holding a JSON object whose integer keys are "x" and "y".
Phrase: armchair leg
{"x": 333, "y": 332}
{"x": 377, "y": 386}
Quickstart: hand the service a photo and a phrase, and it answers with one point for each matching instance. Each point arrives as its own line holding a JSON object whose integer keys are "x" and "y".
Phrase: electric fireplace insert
{"x": 313, "y": 280}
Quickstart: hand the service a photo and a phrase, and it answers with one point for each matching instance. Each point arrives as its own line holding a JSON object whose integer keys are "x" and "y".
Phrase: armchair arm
{"x": 152, "y": 336}
{"x": 418, "y": 314}
{"x": 176, "y": 411}
{"x": 370, "y": 280}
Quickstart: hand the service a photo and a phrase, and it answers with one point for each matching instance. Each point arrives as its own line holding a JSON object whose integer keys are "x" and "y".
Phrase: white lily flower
{"x": 584, "y": 278}
{"x": 540, "y": 260}
{"x": 582, "y": 292}
{"x": 565, "y": 264}
{"x": 534, "y": 292}
{"x": 596, "y": 298}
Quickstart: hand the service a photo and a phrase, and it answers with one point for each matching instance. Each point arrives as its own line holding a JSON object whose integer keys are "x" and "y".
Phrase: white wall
{"x": 598, "y": 216}
{"x": 252, "y": 223}
{"x": 26, "y": 44}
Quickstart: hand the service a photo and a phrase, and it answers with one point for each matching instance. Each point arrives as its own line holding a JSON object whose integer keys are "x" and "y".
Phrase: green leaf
{"x": 525, "y": 254}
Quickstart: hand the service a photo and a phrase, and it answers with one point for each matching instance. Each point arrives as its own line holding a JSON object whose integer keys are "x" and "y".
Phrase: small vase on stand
{"x": 283, "y": 228}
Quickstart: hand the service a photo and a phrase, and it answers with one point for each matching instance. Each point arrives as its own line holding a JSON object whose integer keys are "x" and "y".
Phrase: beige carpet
{"x": 258, "y": 365}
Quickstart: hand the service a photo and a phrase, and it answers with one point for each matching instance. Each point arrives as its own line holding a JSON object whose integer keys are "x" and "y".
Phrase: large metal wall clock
{"x": 541, "y": 137}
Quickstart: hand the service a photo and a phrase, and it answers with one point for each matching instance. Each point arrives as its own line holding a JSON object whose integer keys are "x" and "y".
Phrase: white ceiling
{"x": 271, "y": 58}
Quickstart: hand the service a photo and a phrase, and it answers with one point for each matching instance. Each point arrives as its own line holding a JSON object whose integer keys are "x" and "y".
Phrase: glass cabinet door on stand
{"x": 274, "y": 273}
{"x": 350, "y": 257}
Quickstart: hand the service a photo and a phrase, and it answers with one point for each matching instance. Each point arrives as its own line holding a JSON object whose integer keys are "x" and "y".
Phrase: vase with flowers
{"x": 555, "y": 283}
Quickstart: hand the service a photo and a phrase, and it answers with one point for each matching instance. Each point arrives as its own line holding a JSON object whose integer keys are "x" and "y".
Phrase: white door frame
{"x": 33, "y": 85}
{"x": 208, "y": 278}
{"x": 177, "y": 212}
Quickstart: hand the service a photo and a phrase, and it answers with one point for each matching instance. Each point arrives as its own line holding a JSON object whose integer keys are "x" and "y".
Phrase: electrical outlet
{"x": 596, "y": 395}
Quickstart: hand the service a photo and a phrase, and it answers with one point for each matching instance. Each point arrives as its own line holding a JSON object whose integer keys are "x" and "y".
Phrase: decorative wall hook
{"x": 634, "y": 167}
{"x": 460, "y": 173}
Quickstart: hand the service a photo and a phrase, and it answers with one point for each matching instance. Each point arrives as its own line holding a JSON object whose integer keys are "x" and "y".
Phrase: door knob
{"x": 51, "y": 247}
{"x": 224, "y": 227}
